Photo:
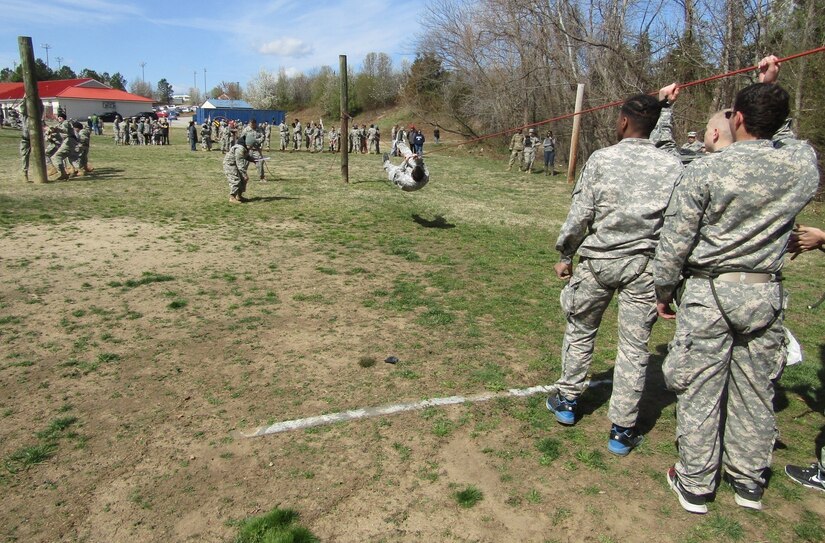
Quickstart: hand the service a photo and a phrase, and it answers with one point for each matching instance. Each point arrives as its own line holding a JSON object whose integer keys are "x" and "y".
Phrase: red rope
{"x": 620, "y": 102}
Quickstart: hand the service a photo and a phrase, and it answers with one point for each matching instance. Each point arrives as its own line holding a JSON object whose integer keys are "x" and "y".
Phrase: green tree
{"x": 163, "y": 94}
{"x": 117, "y": 81}
{"x": 65, "y": 72}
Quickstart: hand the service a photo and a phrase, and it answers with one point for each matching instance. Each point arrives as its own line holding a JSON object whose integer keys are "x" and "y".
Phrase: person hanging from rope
{"x": 412, "y": 174}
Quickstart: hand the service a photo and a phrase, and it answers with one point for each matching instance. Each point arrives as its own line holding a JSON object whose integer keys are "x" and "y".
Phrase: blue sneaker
{"x": 623, "y": 440}
{"x": 564, "y": 409}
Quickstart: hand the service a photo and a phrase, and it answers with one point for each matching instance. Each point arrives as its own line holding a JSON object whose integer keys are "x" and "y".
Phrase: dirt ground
{"x": 163, "y": 376}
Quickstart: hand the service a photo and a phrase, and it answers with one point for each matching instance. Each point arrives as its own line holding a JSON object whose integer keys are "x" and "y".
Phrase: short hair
{"x": 764, "y": 106}
{"x": 417, "y": 174}
{"x": 643, "y": 111}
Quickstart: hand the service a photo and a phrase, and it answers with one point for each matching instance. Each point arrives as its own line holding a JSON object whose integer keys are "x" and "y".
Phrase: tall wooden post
{"x": 34, "y": 112}
{"x": 342, "y": 66}
{"x": 574, "y": 136}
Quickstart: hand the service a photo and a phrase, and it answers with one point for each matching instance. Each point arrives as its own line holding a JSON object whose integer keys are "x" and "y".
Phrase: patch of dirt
{"x": 267, "y": 328}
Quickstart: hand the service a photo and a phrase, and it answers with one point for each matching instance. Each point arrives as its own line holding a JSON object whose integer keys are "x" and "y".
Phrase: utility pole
{"x": 574, "y": 137}
{"x": 342, "y": 66}
{"x": 59, "y": 62}
{"x": 46, "y": 46}
{"x": 34, "y": 111}
{"x": 204, "y": 82}
{"x": 143, "y": 72}
{"x": 195, "y": 79}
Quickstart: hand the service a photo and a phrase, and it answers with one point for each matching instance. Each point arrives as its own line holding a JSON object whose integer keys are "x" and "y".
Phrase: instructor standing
{"x": 726, "y": 230}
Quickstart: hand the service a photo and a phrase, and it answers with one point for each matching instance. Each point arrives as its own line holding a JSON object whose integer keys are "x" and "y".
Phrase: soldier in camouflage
{"x": 613, "y": 225}
{"x": 411, "y": 175}
{"x": 531, "y": 142}
{"x": 235, "y": 165}
{"x": 726, "y": 230}
{"x": 68, "y": 145}
{"x": 803, "y": 239}
{"x": 516, "y": 149}
{"x": 254, "y": 138}
{"x": 284, "y": 132}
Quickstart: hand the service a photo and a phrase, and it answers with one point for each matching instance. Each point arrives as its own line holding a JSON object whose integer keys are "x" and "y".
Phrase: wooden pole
{"x": 344, "y": 133}
{"x": 34, "y": 112}
{"x": 574, "y": 136}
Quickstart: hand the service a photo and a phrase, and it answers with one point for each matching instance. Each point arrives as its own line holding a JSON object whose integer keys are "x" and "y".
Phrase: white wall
{"x": 81, "y": 109}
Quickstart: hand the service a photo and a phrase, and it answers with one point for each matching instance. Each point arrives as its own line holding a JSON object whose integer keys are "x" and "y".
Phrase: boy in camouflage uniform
{"x": 726, "y": 230}
{"x": 613, "y": 225}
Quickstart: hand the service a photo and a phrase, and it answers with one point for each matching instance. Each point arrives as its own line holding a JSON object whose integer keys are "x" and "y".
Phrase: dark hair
{"x": 764, "y": 106}
{"x": 643, "y": 112}
{"x": 417, "y": 174}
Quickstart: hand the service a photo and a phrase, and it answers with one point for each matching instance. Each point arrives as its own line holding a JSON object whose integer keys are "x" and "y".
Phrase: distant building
{"x": 180, "y": 99}
{"x": 80, "y": 98}
{"x": 237, "y": 110}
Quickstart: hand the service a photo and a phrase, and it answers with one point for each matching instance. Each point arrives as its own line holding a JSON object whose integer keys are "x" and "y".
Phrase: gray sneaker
{"x": 747, "y": 495}
{"x": 690, "y": 502}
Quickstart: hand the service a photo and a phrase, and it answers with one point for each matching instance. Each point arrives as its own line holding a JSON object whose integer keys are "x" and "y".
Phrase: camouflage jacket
{"x": 619, "y": 201}
{"x": 735, "y": 209}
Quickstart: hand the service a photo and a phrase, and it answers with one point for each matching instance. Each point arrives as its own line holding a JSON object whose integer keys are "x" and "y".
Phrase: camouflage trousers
{"x": 529, "y": 158}
{"x": 237, "y": 180}
{"x": 283, "y": 142}
{"x": 516, "y": 154}
{"x": 584, "y": 300}
{"x": 25, "y": 154}
{"x": 715, "y": 369}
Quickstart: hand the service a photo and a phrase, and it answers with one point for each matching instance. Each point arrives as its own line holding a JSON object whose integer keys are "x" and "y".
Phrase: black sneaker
{"x": 623, "y": 440}
{"x": 693, "y": 503}
{"x": 811, "y": 476}
{"x": 564, "y": 409}
{"x": 747, "y": 495}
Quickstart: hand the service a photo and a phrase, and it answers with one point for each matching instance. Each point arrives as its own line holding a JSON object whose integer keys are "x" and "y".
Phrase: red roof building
{"x": 80, "y": 98}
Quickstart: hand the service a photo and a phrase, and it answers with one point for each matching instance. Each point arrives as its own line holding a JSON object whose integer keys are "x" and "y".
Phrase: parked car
{"x": 147, "y": 114}
{"x": 109, "y": 116}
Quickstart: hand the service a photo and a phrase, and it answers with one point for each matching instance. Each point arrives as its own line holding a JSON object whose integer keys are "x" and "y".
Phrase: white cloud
{"x": 287, "y": 47}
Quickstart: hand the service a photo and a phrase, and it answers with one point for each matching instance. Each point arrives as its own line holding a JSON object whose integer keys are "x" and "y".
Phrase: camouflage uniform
{"x": 235, "y": 164}
{"x": 254, "y": 152}
{"x": 733, "y": 211}
{"x": 516, "y": 150}
{"x": 401, "y": 175}
{"x": 284, "y": 131}
{"x": 613, "y": 224}
{"x": 531, "y": 142}
{"x": 371, "y": 140}
{"x": 296, "y": 137}
{"x": 206, "y": 136}
{"x": 83, "y": 141}
{"x": 67, "y": 147}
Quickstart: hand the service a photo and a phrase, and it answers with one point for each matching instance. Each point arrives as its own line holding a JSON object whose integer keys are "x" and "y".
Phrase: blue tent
{"x": 237, "y": 110}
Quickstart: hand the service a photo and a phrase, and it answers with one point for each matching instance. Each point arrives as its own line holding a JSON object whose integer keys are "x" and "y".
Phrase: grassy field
{"x": 146, "y": 323}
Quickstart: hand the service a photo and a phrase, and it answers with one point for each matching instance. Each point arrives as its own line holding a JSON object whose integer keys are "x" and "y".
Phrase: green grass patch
{"x": 276, "y": 526}
{"x": 146, "y": 279}
{"x": 468, "y": 497}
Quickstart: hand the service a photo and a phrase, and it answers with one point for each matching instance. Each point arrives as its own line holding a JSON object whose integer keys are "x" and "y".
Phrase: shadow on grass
{"x": 101, "y": 173}
{"x": 438, "y": 222}
{"x": 271, "y": 198}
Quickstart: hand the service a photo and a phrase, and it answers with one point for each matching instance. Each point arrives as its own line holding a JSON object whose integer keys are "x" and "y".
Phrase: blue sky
{"x": 232, "y": 39}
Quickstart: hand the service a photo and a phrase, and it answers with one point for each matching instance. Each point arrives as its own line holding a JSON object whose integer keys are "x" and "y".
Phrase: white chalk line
{"x": 392, "y": 409}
